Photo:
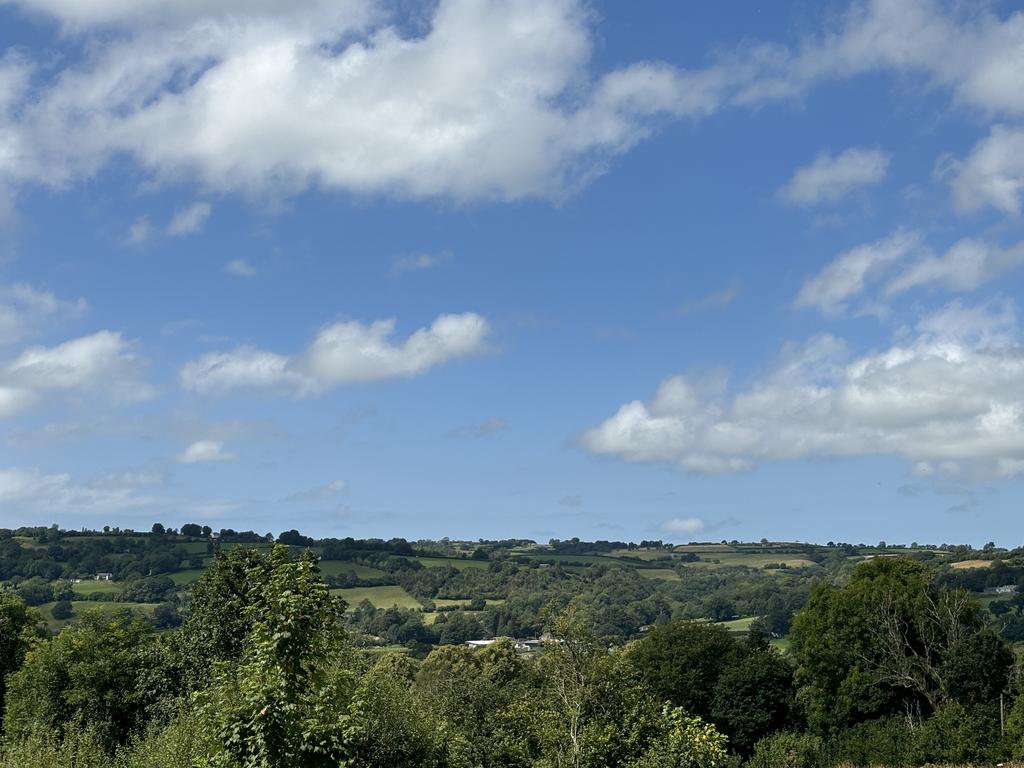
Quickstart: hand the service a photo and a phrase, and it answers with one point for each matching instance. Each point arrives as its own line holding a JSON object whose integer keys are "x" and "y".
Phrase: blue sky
{"x": 481, "y": 269}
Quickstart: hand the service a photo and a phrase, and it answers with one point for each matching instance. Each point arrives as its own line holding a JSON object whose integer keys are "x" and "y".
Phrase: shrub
{"x": 790, "y": 750}
{"x": 62, "y": 610}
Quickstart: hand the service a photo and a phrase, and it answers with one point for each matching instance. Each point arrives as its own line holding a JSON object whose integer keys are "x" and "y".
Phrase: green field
{"x": 338, "y": 567}
{"x": 184, "y": 578}
{"x": 381, "y": 597}
{"x": 584, "y": 560}
{"x": 739, "y": 626}
{"x": 94, "y": 587}
{"x": 454, "y": 562}
{"x": 749, "y": 559}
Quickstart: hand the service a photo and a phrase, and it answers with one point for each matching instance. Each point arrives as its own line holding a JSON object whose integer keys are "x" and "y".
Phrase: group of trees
{"x": 887, "y": 667}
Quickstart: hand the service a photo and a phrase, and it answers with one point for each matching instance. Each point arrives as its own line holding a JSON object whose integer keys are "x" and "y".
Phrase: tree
{"x": 754, "y": 697}
{"x": 486, "y": 697}
{"x": 61, "y": 610}
{"x": 20, "y": 629}
{"x": 158, "y": 529}
{"x": 218, "y": 620}
{"x": 681, "y": 661}
{"x": 888, "y": 642}
{"x": 100, "y": 673}
{"x": 191, "y": 529}
{"x": 283, "y": 704}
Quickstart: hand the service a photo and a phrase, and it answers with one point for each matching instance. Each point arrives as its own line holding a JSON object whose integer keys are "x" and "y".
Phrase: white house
{"x": 104, "y": 577}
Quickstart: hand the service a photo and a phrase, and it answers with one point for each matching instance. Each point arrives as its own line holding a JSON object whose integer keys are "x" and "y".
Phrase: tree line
{"x": 886, "y": 666}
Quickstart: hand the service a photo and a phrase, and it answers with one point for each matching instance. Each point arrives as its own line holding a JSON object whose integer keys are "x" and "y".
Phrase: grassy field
{"x": 184, "y": 578}
{"x": 584, "y": 560}
{"x": 749, "y": 559}
{"x": 739, "y": 626}
{"x": 381, "y": 597}
{"x": 93, "y": 587}
{"x": 971, "y": 564}
{"x": 702, "y": 548}
{"x": 193, "y": 547}
{"x": 454, "y": 562}
{"x": 80, "y": 607}
{"x": 338, "y": 567}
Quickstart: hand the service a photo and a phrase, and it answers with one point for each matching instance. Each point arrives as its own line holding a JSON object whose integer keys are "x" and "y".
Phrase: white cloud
{"x": 103, "y": 359}
{"x": 190, "y": 220}
{"x": 847, "y": 275}
{"x": 103, "y": 364}
{"x": 683, "y": 525}
{"x": 417, "y": 262}
{"x": 992, "y": 174}
{"x": 320, "y": 493}
{"x": 875, "y": 273}
{"x": 831, "y": 177}
{"x": 139, "y": 232}
{"x": 32, "y": 491}
{"x": 954, "y": 392}
{"x": 242, "y": 368}
{"x": 14, "y": 400}
{"x": 203, "y": 451}
{"x": 240, "y": 268}
{"x": 342, "y": 353}
{"x": 24, "y": 309}
{"x": 486, "y": 100}
{"x": 965, "y": 266}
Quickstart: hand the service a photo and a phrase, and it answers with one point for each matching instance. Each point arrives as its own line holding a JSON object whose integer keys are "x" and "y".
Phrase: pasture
{"x": 380, "y": 597}
{"x": 96, "y": 587}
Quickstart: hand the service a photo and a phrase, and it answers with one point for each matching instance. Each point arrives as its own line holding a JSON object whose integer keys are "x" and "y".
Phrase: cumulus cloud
{"x": 190, "y": 220}
{"x": 342, "y": 353}
{"x": 103, "y": 363}
{"x": 25, "y": 309}
{"x": 486, "y": 100}
{"x": 203, "y": 451}
{"x": 992, "y": 174}
{"x": 952, "y": 392}
{"x": 832, "y": 177}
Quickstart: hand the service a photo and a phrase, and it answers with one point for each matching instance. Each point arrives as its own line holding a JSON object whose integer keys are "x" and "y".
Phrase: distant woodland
{"x": 222, "y": 648}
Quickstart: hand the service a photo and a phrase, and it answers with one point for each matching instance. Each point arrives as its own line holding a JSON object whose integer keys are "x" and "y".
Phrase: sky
{"x": 480, "y": 269}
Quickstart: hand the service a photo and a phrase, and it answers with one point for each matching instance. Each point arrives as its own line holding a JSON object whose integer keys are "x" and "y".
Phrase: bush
{"x": 885, "y": 741}
{"x": 62, "y": 610}
{"x": 959, "y": 734}
{"x": 790, "y": 750}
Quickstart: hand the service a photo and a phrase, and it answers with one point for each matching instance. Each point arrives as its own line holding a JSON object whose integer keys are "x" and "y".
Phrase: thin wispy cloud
{"x": 718, "y": 299}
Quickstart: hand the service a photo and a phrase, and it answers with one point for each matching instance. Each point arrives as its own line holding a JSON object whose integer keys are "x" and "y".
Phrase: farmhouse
{"x": 104, "y": 577}
{"x": 520, "y": 645}
{"x": 1006, "y": 590}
